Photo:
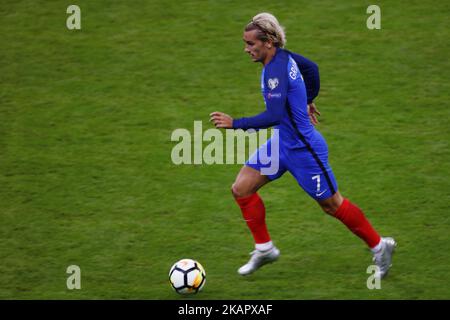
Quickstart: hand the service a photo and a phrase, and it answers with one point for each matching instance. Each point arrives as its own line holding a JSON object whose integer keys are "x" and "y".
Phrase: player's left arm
{"x": 310, "y": 72}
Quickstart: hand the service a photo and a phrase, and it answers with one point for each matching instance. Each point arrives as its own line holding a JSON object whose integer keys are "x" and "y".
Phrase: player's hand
{"x": 312, "y": 112}
{"x": 221, "y": 120}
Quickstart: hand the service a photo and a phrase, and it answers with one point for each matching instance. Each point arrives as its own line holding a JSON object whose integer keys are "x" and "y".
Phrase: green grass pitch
{"x": 86, "y": 176}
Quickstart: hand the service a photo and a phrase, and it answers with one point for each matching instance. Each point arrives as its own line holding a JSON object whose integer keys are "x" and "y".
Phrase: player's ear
{"x": 269, "y": 44}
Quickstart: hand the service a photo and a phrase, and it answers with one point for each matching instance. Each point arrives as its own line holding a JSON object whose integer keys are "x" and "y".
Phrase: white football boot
{"x": 258, "y": 259}
{"x": 383, "y": 258}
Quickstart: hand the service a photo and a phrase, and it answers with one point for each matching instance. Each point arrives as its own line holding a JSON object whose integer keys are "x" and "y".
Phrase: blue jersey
{"x": 285, "y": 97}
{"x": 302, "y": 149}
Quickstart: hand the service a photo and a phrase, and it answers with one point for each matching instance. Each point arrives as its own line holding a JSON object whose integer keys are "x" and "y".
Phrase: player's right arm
{"x": 275, "y": 96}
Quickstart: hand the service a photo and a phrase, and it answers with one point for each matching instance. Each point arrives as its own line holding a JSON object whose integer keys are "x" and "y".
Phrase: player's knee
{"x": 235, "y": 190}
{"x": 332, "y": 204}
{"x": 329, "y": 209}
{"x": 239, "y": 191}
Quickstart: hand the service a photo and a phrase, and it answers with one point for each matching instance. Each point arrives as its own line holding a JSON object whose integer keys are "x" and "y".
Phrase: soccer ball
{"x": 187, "y": 276}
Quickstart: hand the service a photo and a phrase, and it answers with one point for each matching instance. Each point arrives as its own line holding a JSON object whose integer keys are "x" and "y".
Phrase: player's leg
{"x": 311, "y": 169}
{"x": 249, "y": 180}
{"x": 312, "y": 172}
{"x": 244, "y": 190}
{"x": 353, "y": 217}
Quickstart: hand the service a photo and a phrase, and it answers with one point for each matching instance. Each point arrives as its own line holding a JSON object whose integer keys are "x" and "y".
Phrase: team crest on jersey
{"x": 272, "y": 83}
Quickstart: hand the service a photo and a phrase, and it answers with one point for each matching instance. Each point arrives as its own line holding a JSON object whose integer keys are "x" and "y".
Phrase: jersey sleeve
{"x": 275, "y": 95}
{"x": 310, "y": 73}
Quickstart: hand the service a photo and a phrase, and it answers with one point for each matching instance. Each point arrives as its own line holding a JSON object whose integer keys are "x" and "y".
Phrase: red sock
{"x": 254, "y": 213}
{"x": 354, "y": 219}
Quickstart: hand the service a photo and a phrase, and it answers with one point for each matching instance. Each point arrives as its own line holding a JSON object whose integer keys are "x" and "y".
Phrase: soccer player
{"x": 289, "y": 84}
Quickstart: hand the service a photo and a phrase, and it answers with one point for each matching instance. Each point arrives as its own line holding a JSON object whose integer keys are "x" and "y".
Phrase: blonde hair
{"x": 268, "y": 29}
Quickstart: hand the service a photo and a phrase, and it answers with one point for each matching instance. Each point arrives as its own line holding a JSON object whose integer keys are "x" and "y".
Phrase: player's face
{"x": 257, "y": 49}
